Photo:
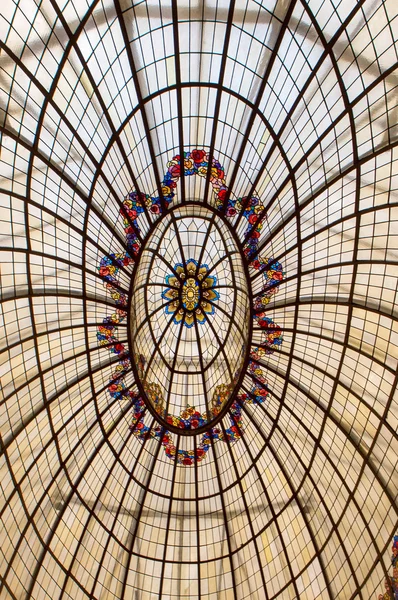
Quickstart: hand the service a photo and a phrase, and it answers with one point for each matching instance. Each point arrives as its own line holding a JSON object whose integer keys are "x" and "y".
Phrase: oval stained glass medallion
{"x": 189, "y": 318}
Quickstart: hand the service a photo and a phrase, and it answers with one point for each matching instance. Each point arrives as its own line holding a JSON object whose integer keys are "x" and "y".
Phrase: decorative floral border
{"x": 391, "y": 583}
{"x": 117, "y": 389}
{"x": 195, "y": 162}
{"x": 258, "y": 395}
{"x": 190, "y": 418}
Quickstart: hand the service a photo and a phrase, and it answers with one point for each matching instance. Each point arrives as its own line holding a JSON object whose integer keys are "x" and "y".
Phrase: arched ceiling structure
{"x": 286, "y": 114}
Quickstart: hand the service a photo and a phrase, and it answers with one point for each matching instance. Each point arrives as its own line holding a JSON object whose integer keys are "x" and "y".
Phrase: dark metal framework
{"x": 305, "y": 504}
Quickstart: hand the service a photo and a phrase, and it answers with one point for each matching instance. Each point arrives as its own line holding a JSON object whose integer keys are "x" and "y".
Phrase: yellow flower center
{"x": 190, "y": 294}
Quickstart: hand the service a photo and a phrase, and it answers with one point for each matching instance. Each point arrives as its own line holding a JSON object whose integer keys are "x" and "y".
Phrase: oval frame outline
{"x": 246, "y": 358}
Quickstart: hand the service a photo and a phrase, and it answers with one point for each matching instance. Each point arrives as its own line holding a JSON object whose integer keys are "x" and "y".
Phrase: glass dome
{"x": 199, "y": 299}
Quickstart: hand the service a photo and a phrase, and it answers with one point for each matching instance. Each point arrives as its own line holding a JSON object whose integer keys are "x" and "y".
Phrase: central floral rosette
{"x": 191, "y": 292}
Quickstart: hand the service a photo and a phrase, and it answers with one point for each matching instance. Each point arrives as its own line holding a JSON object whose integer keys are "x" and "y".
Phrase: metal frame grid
{"x": 298, "y": 101}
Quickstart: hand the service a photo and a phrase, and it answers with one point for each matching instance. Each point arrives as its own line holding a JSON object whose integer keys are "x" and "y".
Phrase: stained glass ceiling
{"x": 199, "y": 299}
